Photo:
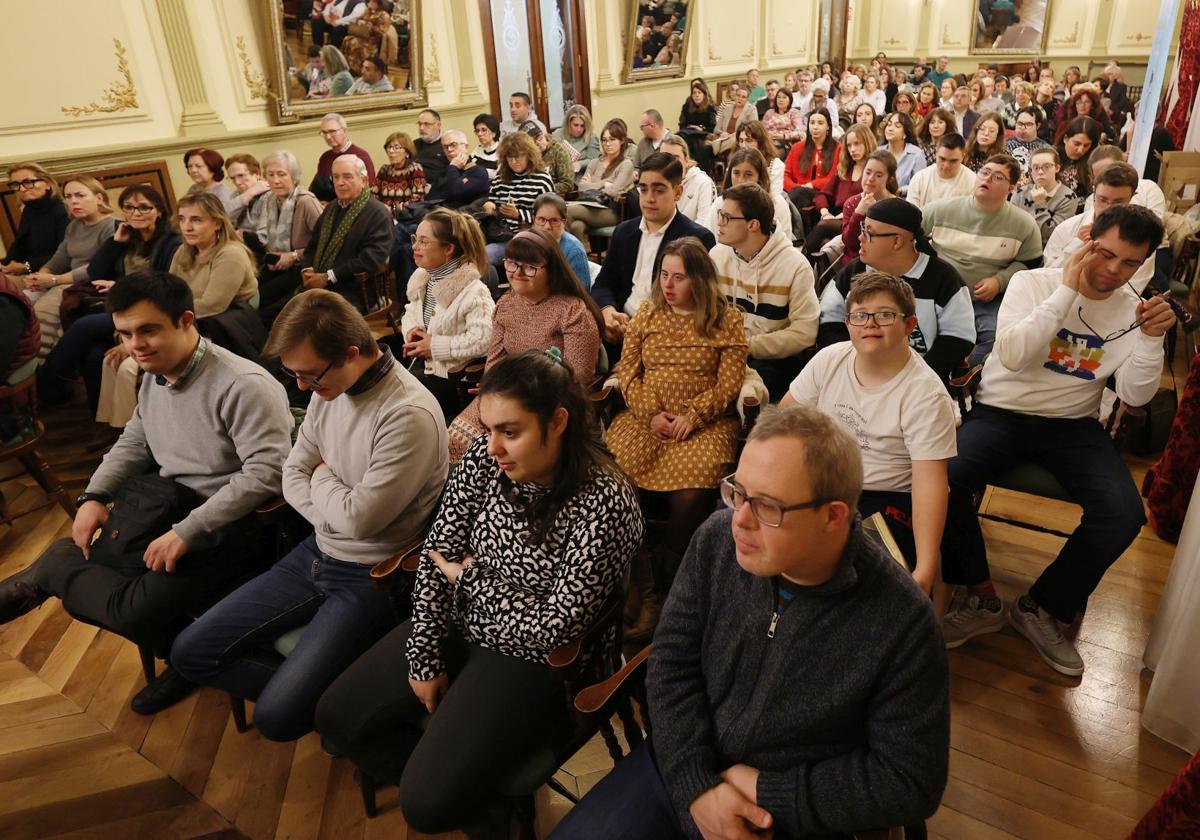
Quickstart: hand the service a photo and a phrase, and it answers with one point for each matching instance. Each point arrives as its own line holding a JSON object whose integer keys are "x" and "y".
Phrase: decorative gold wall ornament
{"x": 119, "y": 96}
{"x": 947, "y": 41}
{"x": 1068, "y": 39}
{"x": 712, "y": 54}
{"x": 749, "y": 53}
{"x": 1139, "y": 37}
{"x": 432, "y": 74}
{"x": 256, "y": 82}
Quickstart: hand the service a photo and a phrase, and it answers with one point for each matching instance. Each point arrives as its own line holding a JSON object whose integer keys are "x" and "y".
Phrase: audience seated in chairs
{"x": 337, "y": 138}
{"x": 206, "y": 168}
{"x": 732, "y": 115}
{"x": 448, "y": 319}
{"x": 20, "y": 337}
{"x": 289, "y": 215}
{"x": 1062, "y": 333}
{"x": 933, "y": 127}
{"x": 784, "y": 124}
{"x": 545, "y": 307}
{"x": 900, "y": 138}
{"x": 987, "y": 240}
{"x": 550, "y": 215}
{"x": 44, "y": 219}
{"x": 985, "y": 139}
{"x": 520, "y": 180}
{"x": 737, "y": 751}
{"x": 1048, "y": 201}
{"x": 698, "y": 121}
{"x": 681, "y": 369}
{"x": 536, "y": 529}
{"x": 770, "y": 282}
{"x": 245, "y": 173}
{"x": 626, "y": 278}
{"x": 367, "y": 471}
{"x": 92, "y": 224}
{"x": 577, "y": 135}
{"x": 604, "y": 183}
{"x": 899, "y": 410}
{"x": 699, "y": 191}
{"x": 754, "y": 136}
{"x": 812, "y": 162}
{"x": 858, "y": 142}
{"x": 176, "y": 534}
{"x": 402, "y": 179}
{"x": 894, "y": 243}
{"x": 147, "y": 239}
{"x": 947, "y": 178}
{"x": 878, "y": 184}
{"x": 747, "y": 166}
{"x": 353, "y": 235}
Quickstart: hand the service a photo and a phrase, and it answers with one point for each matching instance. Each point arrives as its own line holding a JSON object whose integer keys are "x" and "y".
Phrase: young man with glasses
{"x": 367, "y": 471}
{"x": 653, "y": 131}
{"x": 987, "y": 240}
{"x": 897, "y": 409}
{"x": 795, "y": 683}
{"x": 893, "y": 242}
{"x": 214, "y": 424}
{"x": 1025, "y": 140}
{"x": 337, "y": 138}
{"x": 430, "y": 152}
{"x": 769, "y": 281}
{"x": 1063, "y": 332}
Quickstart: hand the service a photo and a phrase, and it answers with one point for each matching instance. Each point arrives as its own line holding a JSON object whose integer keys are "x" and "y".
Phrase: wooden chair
{"x": 378, "y": 290}
{"x": 20, "y": 392}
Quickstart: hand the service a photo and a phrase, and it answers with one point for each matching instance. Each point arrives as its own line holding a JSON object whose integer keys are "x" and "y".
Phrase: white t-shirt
{"x": 643, "y": 269}
{"x": 908, "y": 418}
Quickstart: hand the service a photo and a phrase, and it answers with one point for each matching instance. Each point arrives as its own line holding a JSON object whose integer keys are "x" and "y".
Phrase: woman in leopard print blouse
{"x": 535, "y": 530}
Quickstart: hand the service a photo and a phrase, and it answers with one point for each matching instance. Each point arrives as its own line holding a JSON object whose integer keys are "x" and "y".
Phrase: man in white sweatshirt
{"x": 770, "y": 281}
{"x": 948, "y": 179}
{"x": 1061, "y": 334}
{"x": 367, "y": 471}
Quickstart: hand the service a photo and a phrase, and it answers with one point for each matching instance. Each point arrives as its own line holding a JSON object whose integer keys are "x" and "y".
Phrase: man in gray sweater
{"x": 367, "y": 471}
{"x": 212, "y": 423}
{"x": 795, "y": 685}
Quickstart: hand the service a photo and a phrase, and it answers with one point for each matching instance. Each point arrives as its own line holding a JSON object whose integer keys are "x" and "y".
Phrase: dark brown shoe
{"x": 19, "y": 595}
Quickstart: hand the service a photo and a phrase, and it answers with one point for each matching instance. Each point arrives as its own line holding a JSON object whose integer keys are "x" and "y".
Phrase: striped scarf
{"x": 329, "y": 245}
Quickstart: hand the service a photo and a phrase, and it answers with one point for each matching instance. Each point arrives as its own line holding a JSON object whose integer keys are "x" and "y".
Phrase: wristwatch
{"x": 85, "y": 497}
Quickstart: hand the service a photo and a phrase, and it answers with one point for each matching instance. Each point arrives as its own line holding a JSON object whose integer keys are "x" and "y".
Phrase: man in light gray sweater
{"x": 367, "y": 471}
{"x": 795, "y": 685}
{"x": 216, "y": 428}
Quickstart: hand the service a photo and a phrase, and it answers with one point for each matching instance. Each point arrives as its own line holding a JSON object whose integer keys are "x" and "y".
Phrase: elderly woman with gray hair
{"x": 289, "y": 214}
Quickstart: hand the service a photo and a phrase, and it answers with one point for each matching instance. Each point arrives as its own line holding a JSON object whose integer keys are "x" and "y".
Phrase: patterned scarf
{"x": 330, "y": 243}
{"x": 277, "y": 226}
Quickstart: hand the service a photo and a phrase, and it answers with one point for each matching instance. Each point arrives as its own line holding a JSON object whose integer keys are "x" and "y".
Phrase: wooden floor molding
{"x": 1034, "y": 754}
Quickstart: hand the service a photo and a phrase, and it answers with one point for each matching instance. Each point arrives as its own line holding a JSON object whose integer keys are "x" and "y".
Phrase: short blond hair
{"x": 831, "y": 454}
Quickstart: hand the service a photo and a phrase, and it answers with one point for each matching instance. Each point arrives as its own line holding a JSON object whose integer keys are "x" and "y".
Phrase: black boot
{"x": 167, "y": 689}
{"x": 19, "y": 594}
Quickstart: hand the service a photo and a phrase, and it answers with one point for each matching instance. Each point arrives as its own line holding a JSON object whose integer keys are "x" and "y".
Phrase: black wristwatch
{"x": 102, "y": 498}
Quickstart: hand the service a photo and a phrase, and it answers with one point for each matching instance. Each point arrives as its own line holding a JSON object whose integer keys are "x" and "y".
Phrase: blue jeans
{"x": 1082, "y": 457}
{"x": 229, "y": 647}
{"x": 985, "y": 328}
{"x": 81, "y": 348}
{"x": 630, "y": 803}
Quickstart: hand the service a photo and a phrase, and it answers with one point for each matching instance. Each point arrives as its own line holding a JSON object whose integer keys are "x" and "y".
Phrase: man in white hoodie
{"x": 770, "y": 281}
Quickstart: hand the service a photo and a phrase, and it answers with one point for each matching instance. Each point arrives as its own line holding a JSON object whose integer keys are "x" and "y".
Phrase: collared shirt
{"x": 197, "y": 357}
{"x": 373, "y": 375}
{"x": 643, "y": 270}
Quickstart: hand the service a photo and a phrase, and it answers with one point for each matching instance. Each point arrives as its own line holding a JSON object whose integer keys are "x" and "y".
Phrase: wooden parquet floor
{"x": 1034, "y": 755}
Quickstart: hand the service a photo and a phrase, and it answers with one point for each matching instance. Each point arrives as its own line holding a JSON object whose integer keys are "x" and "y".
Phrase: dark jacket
{"x": 845, "y": 712}
{"x": 108, "y": 263}
{"x": 367, "y": 245}
{"x": 459, "y": 187}
{"x": 432, "y": 158}
{"x": 615, "y": 281}
{"x": 322, "y": 182}
{"x": 42, "y": 227}
{"x": 705, "y": 118}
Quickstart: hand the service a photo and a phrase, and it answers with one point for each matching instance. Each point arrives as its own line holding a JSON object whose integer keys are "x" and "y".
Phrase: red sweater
{"x": 794, "y": 176}
{"x": 835, "y": 193}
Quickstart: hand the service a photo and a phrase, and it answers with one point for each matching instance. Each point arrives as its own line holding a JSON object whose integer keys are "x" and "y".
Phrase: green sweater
{"x": 980, "y": 244}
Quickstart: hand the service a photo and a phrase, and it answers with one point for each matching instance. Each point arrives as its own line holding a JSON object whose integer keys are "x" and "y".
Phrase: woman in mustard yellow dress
{"x": 681, "y": 369}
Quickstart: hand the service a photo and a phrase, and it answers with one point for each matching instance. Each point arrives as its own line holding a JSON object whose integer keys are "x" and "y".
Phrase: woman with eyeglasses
{"x": 682, "y": 365}
{"x": 545, "y": 306}
{"x": 145, "y": 240}
{"x": 878, "y": 183}
{"x": 44, "y": 219}
{"x": 448, "y": 319}
{"x": 607, "y": 178}
{"x": 521, "y": 179}
{"x": 402, "y": 179}
{"x": 534, "y": 534}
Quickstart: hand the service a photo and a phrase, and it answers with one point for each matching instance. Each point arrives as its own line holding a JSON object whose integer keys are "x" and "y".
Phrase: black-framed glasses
{"x": 138, "y": 209}
{"x": 725, "y": 218}
{"x": 883, "y": 318}
{"x": 25, "y": 183}
{"x": 1113, "y": 336}
{"x": 767, "y": 511}
{"x": 869, "y": 234}
{"x": 542, "y": 221}
{"x": 308, "y": 382}
{"x": 527, "y": 269}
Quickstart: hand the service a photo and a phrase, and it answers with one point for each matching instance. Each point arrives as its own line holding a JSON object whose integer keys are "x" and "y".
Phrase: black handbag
{"x": 143, "y": 509}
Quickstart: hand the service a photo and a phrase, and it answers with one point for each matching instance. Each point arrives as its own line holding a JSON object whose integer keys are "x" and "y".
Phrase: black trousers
{"x": 497, "y": 711}
{"x": 777, "y": 374}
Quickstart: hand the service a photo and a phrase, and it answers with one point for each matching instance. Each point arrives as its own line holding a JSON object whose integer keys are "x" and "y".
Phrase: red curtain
{"x": 1176, "y": 122}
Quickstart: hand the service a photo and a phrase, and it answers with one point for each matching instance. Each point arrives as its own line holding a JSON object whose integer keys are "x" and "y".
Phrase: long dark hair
{"x": 542, "y": 384}
{"x": 827, "y": 148}
{"x": 534, "y": 245}
{"x": 161, "y": 225}
{"x": 1083, "y": 173}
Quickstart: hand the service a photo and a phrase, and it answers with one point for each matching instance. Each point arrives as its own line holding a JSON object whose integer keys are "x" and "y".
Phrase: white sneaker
{"x": 969, "y": 619}
{"x": 1042, "y": 631}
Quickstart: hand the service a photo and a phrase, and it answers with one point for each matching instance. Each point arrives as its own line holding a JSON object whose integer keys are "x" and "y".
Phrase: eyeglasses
{"x": 725, "y": 218}
{"x": 394, "y": 147}
{"x": 25, "y": 183}
{"x": 883, "y": 318}
{"x": 767, "y": 511}
{"x": 527, "y": 269}
{"x": 1041, "y": 167}
{"x": 423, "y": 241}
{"x": 542, "y": 221}
{"x": 994, "y": 176}
{"x": 138, "y": 209}
{"x": 1026, "y": 124}
{"x": 868, "y": 234}
{"x": 1113, "y": 336}
{"x": 307, "y": 381}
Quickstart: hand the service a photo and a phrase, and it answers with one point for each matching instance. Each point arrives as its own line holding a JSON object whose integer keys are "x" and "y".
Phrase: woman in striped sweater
{"x": 520, "y": 179}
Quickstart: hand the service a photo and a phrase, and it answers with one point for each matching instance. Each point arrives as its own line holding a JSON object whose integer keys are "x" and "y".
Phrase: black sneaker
{"x": 167, "y": 689}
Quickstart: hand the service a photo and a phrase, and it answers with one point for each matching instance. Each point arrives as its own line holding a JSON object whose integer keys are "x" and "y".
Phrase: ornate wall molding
{"x": 433, "y": 76}
{"x": 712, "y": 54}
{"x": 946, "y": 39}
{"x": 256, "y": 82}
{"x": 749, "y": 53}
{"x": 1068, "y": 39}
{"x": 121, "y": 95}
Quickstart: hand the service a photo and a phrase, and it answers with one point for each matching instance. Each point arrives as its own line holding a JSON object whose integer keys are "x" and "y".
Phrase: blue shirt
{"x": 572, "y": 249}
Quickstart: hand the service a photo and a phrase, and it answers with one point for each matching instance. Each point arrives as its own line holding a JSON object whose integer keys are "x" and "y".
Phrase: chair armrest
{"x": 595, "y": 697}
{"x": 565, "y": 655}
{"x": 966, "y": 381}
{"x": 406, "y": 560}
{"x": 271, "y": 507}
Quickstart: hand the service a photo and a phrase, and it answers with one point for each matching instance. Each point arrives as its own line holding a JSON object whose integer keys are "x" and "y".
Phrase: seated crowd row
{"x": 531, "y": 508}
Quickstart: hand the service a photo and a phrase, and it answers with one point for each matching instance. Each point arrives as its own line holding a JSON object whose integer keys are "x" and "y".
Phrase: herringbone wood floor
{"x": 1034, "y": 755}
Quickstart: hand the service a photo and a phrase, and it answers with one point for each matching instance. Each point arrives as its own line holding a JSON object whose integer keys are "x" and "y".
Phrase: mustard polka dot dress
{"x": 667, "y": 365}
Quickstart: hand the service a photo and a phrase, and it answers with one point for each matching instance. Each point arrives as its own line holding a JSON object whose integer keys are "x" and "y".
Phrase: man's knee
{"x": 57, "y": 566}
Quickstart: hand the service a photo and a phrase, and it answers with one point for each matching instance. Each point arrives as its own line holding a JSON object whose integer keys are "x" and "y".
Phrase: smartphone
{"x": 272, "y": 259}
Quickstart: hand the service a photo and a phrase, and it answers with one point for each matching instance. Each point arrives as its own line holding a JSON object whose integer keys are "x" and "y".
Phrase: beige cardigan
{"x": 223, "y": 275}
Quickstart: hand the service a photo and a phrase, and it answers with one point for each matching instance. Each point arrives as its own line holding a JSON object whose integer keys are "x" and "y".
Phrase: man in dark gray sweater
{"x": 796, "y": 684}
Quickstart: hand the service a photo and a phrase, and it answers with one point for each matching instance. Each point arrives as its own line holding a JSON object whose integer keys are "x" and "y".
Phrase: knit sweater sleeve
{"x": 476, "y": 319}
{"x": 581, "y": 342}
{"x": 851, "y": 227}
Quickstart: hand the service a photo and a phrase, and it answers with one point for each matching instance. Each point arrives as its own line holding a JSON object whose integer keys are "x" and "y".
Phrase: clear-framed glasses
{"x": 25, "y": 184}
{"x": 767, "y": 511}
{"x": 423, "y": 241}
{"x": 1040, "y": 167}
{"x": 526, "y": 269}
{"x": 883, "y": 318}
{"x": 137, "y": 209}
{"x": 1026, "y": 124}
{"x": 393, "y": 147}
{"x": 993, "y": 175}
{"x": 307, "y": 381}
{"x": 725, "y": 218}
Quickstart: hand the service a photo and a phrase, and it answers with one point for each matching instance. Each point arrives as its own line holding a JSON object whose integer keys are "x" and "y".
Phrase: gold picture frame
{"x": 635, "y": 42}
{"x": 1003, "y": 29}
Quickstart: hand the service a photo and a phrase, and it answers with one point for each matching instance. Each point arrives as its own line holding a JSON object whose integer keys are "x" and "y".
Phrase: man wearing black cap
{"x": 894, "y": 243}
{"x": 554, "y": 157}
